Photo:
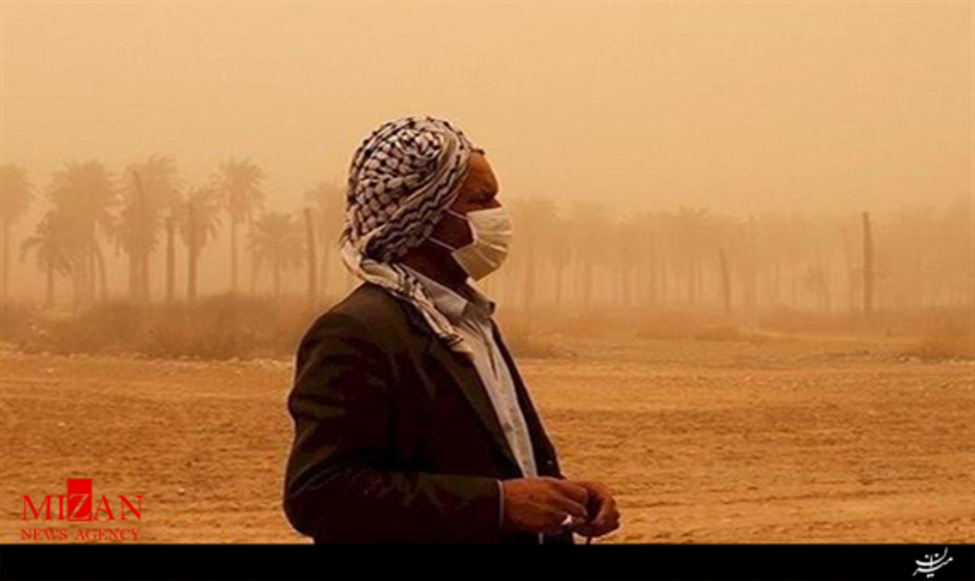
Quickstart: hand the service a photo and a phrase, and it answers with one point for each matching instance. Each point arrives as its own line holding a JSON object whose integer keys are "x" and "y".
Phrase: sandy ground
{"x": 787, "y": 440}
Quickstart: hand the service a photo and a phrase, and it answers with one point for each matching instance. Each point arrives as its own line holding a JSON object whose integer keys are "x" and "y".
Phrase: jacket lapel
{"x": 465, "y": 375}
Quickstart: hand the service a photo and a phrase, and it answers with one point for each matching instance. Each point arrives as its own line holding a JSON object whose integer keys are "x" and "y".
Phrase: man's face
{"x": 478, "y": 192}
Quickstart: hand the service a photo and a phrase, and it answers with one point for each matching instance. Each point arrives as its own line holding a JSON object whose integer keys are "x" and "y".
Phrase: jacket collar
{"x": 453, "y": 305}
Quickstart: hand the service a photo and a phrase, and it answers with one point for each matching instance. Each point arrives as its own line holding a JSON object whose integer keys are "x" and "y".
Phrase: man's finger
{"x": 610, "y": 522}
{"x": 570, "y": 506}
{"x": 573, "y": 490}
{"x": 606, "y": 505}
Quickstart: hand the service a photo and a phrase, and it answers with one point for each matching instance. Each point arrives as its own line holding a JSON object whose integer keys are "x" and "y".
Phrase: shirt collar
{"x": 452, "y": 304}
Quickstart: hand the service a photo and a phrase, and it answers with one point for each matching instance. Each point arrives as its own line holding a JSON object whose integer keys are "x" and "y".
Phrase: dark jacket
{"x": 396, "y": 439}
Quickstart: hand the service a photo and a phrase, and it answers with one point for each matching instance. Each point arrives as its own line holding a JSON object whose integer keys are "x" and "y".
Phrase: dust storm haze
{"x": 733, "y": 202}
{"x": 737, "y": 108}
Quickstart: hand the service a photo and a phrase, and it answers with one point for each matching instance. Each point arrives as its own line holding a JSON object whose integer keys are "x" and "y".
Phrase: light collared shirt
{"x": 472, "y": 319}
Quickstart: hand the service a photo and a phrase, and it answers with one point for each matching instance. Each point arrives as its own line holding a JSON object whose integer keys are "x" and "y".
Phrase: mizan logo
{"x": 77, "y": 506}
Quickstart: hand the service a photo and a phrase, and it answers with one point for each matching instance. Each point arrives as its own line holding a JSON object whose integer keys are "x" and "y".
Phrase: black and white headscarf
{"x": 402, "y": 179}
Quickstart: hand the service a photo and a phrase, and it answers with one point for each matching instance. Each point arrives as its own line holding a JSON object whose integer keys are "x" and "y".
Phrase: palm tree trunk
{"x": 141, "y": 283}
{"x": 652, "y": 270}
{"x": 191, "y": 275}
{"x": 277, "y": 279}
{"x": 90, "y": 277}
{"x": 102, "y": 274}
{"x": 725, "y": 282}
{"x": 627, "y": 279}
{"x": 233, "y": 255}
{"x": 254, "y": 269}
{"x": 170, "y": 259}
{"x": 558, "y": 282}
{"x": 140, "y": 268}
{"x": 6, "y": 260}
{"x": 192, "y": 255}
{"x": 253, "y": 255}
{"x": 144, "y": 291}
{"x": 49, "y": 297}
{"x": 867, "y": 266}
{"x": 133, "y": 275}
{"x": 586, "y": 283}
{"x": 79, "y": 281}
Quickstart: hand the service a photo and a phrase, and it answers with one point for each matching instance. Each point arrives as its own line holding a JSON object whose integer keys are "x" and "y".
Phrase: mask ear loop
{"x": 434, "y": 240}
{"x": 462, "y": 217}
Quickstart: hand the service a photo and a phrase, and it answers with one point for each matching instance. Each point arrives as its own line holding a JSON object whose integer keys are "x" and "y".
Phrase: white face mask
{"x": 491, "y": 229}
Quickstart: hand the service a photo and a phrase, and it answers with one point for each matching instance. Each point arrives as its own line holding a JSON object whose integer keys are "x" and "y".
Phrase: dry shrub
{"x": 530, "y": 335}
{"x": 720, "y": 333}
{"x": 672, "y": 324}
{"x": 17, "y": 321}
{"x": 950, "y": 339}
{"x": 108, "y": 327}
{"x": 904, "y": 323}
{"x": 228, "y": 326}
{"x": 523, "y": 344}
{"x": 216, "y": 327}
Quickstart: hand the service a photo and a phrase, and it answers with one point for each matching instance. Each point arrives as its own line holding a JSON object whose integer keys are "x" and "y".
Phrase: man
{"x": 412, "y": 423}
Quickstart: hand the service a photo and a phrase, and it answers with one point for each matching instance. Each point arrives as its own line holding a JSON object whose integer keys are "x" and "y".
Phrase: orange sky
{"x": 740, "y": 107}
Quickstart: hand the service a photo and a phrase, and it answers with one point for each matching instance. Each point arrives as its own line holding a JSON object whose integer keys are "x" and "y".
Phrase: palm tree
{"x": 198, "y": 218}
{"x": 84, "y": 195}
{"x": 327, "y": 200}
{"x": 55, "y": 249}
{"x": 148, "y": 188}
{"x": 589, "y": 221}
{"x": 15, "y": 196}
{"x": 692, "y": 225}
{"x": 278, "y": 240}
{"x": 538, "y": 219}
{"x": 239, "y": 184}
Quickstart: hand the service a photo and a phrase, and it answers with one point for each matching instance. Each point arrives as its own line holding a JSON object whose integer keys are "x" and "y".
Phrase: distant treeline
{"x": 577, "y": 255}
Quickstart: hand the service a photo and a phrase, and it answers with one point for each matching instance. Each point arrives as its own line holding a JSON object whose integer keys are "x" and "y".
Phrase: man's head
{"x": 412, "y": 185}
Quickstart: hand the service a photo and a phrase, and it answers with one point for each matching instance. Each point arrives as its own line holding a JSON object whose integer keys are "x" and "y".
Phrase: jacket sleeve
{"x": 341, "y": 482}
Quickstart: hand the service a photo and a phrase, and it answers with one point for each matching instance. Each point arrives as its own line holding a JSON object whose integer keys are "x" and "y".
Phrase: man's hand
{"x": 539, "y": 505}
{"x": 603, "y": 515}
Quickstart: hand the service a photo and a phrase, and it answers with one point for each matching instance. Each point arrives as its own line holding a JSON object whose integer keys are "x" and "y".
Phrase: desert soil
{"x": 787, "y": 440}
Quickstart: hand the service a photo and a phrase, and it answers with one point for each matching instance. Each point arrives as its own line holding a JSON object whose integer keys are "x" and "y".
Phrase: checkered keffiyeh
{"x": 402, "y": 179}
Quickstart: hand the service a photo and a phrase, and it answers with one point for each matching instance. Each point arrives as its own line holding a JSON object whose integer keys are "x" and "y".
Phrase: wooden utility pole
{"x": 312, "y": 259}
